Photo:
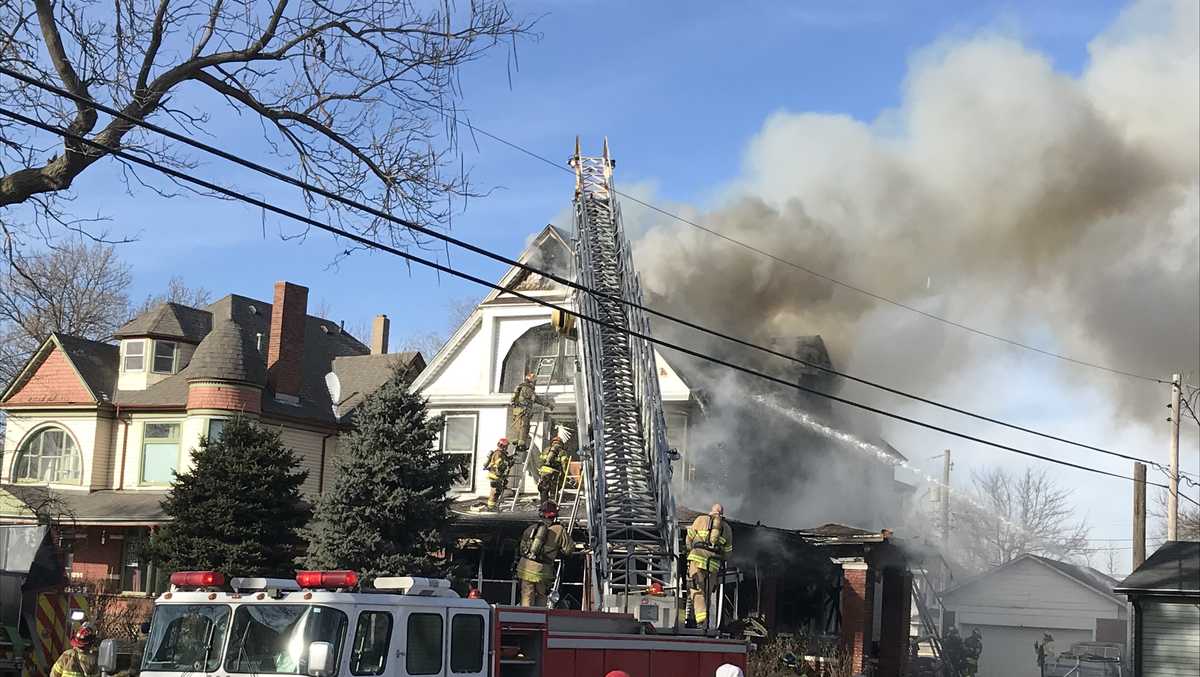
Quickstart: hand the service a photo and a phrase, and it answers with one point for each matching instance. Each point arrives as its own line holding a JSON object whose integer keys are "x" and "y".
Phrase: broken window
{"x": 536, "y": 348}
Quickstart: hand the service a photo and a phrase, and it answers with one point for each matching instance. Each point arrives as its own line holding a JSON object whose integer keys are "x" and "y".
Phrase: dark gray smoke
{"x": 1055, "y": 209}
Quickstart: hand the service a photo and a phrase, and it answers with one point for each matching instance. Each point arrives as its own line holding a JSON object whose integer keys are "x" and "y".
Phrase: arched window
{"x": 49, "y": 455}
{"x": 540, "y": 342}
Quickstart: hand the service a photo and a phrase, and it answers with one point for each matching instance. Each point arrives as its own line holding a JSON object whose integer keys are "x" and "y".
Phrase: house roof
{"x": 169, "y": 320}
{"x": 106, "y": 506}
{"x": 359, "y": 375}
{"x": 1084, "y": 575}
{"x": 230, "y": 354}
{"x": 230, "y": 351}
{"x": 1173, "y": 569}
{"x": 96, "y": 363}
{"x": 324, "y": 341}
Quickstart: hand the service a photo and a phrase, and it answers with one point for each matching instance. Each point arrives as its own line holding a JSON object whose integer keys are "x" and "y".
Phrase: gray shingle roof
{"x": 228, "y": 353}
{"x": 1172, "y": 569}
{"x": 360, "y": 375}
{"x": 1083, "y": 574}
{"x": 96, "y": 362}
{"x": 106, "y": 505}
{"x": 169, "y": 320}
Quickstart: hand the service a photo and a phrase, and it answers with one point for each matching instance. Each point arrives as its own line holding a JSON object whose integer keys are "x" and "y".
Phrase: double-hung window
{"x": 160, "y": 452}
{"x": 458, "y": 439}
{"x": 164, "y": 356}
{"x": 135, "y": 355}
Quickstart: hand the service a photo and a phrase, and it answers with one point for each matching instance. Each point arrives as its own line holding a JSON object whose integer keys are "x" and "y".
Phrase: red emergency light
{"x": 197, "y": 579}
{"x": 327, "y": 579}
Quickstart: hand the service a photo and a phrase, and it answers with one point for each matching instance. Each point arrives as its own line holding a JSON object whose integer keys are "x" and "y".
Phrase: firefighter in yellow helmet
{"x": 552, "y": 466}
{"x": 498, "y": 464}
{"x": 541, "y": 544}
{"x": 709, "y": 543}
{"x": 524, "y": 399}
{"x": 80, "y": 659}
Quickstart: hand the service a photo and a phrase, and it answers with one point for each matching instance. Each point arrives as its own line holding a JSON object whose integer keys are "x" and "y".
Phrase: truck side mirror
{"x": 320, "y": 659}
{"x": 106, "y": 658}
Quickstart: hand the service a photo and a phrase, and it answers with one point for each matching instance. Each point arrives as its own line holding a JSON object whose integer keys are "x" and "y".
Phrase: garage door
{"x": 1008, "y": 652}
{"x": 1170, "y": 638}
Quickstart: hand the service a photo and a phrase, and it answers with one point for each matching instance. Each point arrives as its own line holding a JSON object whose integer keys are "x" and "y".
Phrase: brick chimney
{"x": 285, "y": 349}
{"x": 379, "y": 334}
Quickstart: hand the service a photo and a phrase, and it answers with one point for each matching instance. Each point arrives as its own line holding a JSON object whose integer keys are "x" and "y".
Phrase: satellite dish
{"x": 334, "y": 386}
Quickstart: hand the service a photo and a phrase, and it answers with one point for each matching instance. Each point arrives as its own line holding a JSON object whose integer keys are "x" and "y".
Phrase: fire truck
{"x": 324, "y": 624}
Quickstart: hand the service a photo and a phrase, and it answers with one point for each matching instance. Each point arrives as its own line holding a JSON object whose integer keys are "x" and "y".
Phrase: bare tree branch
{"x": 355, "y": 89}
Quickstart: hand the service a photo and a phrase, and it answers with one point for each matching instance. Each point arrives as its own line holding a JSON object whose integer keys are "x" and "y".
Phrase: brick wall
{"x": 285, "y": 349}
{"x": 95, "y": 556}
{"x": 856, "y": 614}
{"x": 224, "y": 397}
{"x": 55, "y": 381}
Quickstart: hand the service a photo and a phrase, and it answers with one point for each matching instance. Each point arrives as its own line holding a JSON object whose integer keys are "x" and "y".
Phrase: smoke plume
{"x": 1056, "y": 209}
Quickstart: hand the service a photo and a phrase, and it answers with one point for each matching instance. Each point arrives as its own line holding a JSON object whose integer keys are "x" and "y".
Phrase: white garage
{"x": 1013, "y": 605}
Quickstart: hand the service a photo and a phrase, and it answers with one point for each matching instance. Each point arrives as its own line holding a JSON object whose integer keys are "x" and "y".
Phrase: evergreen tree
{"x": 239, "y": 509}
{"x": 389, "y": 506}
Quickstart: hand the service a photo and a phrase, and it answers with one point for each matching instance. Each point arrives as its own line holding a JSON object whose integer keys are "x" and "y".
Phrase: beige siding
{"x": 307, "y": 446}
{"x": 80, "y": 425}
{"x": 104, "y": 457}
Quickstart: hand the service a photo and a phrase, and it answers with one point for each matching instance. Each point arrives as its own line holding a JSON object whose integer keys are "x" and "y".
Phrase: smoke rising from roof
{"x": 1056, "y": 209}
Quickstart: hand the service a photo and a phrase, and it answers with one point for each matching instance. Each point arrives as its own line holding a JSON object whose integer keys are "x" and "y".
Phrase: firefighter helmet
{"x": 84, "y": 637}
{"x": 503, "y": 442}
{"x": 549, "y": 509}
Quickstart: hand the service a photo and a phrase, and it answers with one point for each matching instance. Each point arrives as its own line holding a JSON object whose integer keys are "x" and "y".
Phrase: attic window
{"x": 164, "y": 356}
{"x": 135, "y": 356}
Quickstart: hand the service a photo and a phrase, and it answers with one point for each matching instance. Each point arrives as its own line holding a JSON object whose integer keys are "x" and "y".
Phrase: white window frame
{"x": 125, "y": 345}
{"x": 468, "y": 485}
{"x": 178, "y": 447}
{"x": 36, "y": 437}
{"x": 174, "y": 357}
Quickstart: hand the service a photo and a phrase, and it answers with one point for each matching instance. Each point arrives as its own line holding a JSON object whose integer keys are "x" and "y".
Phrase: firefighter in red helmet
{"x": 541, "y": 544}
{"x": 80, "y": 659}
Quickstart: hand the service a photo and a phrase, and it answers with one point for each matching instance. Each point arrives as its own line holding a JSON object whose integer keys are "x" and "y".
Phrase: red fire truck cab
{"x": 322, "y": 625}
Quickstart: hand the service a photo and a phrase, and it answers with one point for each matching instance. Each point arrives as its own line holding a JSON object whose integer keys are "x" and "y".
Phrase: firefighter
{"x": 541, "y": 544}
{"x": 973, "y": 650}
{"x": 953, "y": 650}
{"x": 553, "y": 463}
{"x": 498, "y": 464}
{"x": 524, "y": 399}
{"x": 709, "y": 542}
{"x": 80, "y": 659}
{"x": 1044, "y": 650}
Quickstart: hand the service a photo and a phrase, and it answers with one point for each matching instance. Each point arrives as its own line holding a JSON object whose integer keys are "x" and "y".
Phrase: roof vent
{"x": 253, "y": 310}
{"x": 325, "y": 328}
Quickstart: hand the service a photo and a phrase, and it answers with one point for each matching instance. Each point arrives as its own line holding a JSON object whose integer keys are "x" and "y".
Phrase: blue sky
{"x": 679, "y": 89}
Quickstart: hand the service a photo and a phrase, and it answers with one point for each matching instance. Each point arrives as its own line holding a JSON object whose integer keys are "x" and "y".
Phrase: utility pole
{"x": 1139, "y": 514}
{"x": 946, "y": 501}
{"x": 1173, "y": 481}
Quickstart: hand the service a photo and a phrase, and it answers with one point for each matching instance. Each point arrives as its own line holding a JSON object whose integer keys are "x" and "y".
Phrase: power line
{"x": 208, "y": 185}
{"x": 561, "y": 280}
{"x": 810, "y": 271}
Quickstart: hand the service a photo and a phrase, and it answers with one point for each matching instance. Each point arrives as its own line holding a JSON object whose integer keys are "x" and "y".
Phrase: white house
{"x": 1014, "y": 604}
{"x": 471, "y": 379}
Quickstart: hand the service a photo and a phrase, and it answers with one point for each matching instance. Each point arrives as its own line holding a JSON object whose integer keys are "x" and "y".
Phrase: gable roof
{"x": 1083, "y": 575}
{"x": 360, "y": 375}
{"x": 543, "y": 252}
{"x": 1173, "y": 569}
{"x": 94, "y": 362}
{"x": 170, "y": 321}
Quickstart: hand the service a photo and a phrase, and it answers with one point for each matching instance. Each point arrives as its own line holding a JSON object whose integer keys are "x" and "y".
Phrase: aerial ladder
{"x": 630, "y": 511}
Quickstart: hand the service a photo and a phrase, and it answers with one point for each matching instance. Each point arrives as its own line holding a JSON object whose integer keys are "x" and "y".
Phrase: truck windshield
{"x": 274, "y": 638}
{"x": 186, "y": 638}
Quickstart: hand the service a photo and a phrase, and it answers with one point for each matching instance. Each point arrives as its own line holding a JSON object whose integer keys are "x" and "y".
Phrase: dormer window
{"x": 135, "y": 355}
{"x": 164, "y": 356}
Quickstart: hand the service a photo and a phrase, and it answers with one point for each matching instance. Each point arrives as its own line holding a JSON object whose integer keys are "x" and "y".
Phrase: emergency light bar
{"x": 258, "y": 583}
{"x": 412, "y": 585}
{"x": 327, "y": 579}
{"x": 197, "y": 579}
